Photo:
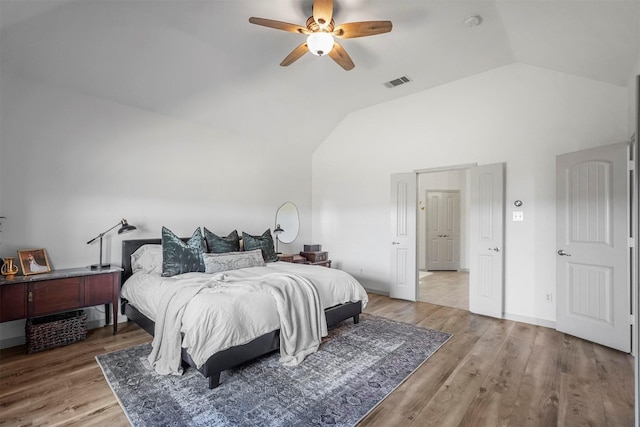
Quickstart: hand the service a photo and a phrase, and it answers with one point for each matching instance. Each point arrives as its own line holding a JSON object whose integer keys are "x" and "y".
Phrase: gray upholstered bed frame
{"x": 233, "y": 356}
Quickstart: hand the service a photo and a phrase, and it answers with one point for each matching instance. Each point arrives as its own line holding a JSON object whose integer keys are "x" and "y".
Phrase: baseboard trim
{"x": 375, "y": 291}
{"x": 530, "y": 320}
{"x": 12, "y": 342}
{"x": 21, "y": 339}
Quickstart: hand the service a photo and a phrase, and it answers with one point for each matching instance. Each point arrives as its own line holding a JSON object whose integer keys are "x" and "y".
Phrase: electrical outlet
{"x": 548, "y": 297}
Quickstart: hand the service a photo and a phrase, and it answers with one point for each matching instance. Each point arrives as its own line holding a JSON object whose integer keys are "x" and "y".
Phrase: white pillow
{"x": 147, "y": 259}
{"x": 215, "y": 263}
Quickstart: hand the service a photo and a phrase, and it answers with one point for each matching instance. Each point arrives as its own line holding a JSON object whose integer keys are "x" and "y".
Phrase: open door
{"x": 592, "y": 229}
{"x": 404, "y": 272}
{"x": 486, "y": 263}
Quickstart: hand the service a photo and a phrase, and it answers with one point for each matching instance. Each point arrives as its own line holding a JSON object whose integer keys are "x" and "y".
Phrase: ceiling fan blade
{"x": 352, "y": 30}
{"x": 295, "y": 54}
{"x": 279, "y": 25}
{"x": 322, "y": 12}
{"x": 341, "y": 56}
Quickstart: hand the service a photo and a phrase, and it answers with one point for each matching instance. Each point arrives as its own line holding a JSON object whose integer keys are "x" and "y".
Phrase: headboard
{"x": 129, "y": 247}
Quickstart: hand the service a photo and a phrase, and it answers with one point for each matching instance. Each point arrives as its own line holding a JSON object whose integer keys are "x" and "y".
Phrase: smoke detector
{"x": 473, "y": 21}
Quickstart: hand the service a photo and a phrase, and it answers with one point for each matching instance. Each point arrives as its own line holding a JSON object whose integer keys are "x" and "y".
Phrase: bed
{"x": 234, "y": 355}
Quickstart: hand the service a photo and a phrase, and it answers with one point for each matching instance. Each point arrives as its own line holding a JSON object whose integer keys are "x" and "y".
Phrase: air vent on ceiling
{"x": 397, "y": 82}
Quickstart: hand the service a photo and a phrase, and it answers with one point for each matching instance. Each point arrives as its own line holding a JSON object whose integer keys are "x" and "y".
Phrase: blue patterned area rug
{"x": 356, "y": 367}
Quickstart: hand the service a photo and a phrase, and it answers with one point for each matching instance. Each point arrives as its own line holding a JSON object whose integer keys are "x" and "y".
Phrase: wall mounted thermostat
{"x": 518, "y": 203}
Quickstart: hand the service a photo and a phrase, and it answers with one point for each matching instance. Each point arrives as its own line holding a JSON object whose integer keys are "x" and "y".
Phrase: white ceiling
{"x": 201, "y": 60}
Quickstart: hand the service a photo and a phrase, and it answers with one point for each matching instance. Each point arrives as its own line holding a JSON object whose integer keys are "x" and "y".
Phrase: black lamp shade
{"x": 126, "y": 227}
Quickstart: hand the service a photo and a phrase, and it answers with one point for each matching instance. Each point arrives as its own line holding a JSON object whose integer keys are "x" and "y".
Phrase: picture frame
{"x": 34, "y": 261}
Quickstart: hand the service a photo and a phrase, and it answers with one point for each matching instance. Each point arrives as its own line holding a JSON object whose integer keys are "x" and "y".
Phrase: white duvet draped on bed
{"x": 219, "y": 314}
{"x": 302, "y": 320}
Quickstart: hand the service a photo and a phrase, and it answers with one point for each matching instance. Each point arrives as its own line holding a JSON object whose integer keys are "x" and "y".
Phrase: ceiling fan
{"x": 320, "y": 30}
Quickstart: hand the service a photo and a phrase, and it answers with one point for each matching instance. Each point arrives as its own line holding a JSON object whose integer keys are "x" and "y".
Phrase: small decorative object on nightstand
{"x": 9, "y": 269}
{"x": 278, "y": 231}
{"x": 34, "y": 261}
{"x": 317, "y": 258}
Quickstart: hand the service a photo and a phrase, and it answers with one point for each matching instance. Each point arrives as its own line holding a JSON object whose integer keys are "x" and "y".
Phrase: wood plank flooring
{"x": 448, "y": 288}
{"x": 490, "y": 373}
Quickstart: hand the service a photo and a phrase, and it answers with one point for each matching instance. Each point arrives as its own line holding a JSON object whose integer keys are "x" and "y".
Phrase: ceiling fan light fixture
{"x": 320, "y": 43}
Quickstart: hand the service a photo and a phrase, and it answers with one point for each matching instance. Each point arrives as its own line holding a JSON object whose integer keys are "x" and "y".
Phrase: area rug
{"x": 357, "y": 366}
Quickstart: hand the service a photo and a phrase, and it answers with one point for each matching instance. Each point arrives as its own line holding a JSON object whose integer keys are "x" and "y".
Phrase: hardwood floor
{"x": 448, "y": 288}
{"x": 490, "y": 373}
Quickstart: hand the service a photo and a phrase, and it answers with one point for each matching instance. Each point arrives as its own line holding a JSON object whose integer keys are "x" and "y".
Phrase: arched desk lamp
{"x": 124, "y": 229}
{"x": 277, "y": 232}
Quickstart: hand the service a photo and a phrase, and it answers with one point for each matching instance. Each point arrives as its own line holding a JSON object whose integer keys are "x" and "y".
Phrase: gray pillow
{"x": 179, "y": 257}
{"x": 215, "y": 263}
{"x": 219, "y": 245}
{"x": 263, "y": 242}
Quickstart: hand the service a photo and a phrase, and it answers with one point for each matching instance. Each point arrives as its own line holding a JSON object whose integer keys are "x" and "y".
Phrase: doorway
{"x": 486, "y": 236}
{"x": 443, "y": 273}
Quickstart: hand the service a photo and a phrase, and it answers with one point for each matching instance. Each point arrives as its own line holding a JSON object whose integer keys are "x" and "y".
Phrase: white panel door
{"x": 592, "y": 246}
{"x": 443, "y": 230}
{"x": 404, "y": 272}
{"x": 486, "y": 265}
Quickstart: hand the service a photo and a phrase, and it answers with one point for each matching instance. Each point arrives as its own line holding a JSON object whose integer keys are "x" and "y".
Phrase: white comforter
{"x": 216, "y": 320}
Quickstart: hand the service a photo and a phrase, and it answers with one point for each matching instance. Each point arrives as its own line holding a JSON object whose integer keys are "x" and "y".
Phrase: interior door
{"x": 592, "y": 246}
{"x": 404, "y": 272}
{"x": 443, "y": 230}
{"x": 486, "y": 263}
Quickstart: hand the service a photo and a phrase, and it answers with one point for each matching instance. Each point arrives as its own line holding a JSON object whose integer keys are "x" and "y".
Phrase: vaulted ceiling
{"x": 203, "y": 62}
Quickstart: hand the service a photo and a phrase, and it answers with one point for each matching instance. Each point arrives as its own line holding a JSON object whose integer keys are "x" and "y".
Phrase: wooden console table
{"x": 58, "y": 291}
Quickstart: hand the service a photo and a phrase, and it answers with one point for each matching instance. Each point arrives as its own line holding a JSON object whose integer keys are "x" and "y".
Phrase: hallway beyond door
{"x": 447, "y": 288}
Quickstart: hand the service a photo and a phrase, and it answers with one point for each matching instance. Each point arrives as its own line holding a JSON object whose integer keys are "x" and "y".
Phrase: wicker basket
{"x": 44, "y": 333}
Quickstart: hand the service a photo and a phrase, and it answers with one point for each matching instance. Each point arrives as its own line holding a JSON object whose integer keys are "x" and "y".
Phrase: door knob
{"x": 561, "y": 252}
{"x": 496, "y": 249}
{"x": 395, "y": 243}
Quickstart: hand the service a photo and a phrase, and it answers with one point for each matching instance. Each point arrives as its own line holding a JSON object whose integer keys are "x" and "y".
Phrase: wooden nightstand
{"x": 295, "y": 258}
{"x": 317, "y": 258}
{"x": 305, "y": 258}
{"x": 58, "y": 291}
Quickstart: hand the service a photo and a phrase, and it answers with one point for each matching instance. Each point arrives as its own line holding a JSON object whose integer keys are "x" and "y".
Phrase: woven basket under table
{"x": 44, "y": 333}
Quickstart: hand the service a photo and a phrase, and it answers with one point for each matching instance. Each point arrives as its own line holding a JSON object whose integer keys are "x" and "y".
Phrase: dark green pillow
{"x": 263, "y": 242}
{"x": 179, "y": 257}
{"x": 220, "y": 245}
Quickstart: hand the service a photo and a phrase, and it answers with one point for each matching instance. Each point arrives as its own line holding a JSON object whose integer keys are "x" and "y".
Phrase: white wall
{"x": 517, "y": 114}
{"x": 71, "y": 166}
{"x": 633, "y": 93}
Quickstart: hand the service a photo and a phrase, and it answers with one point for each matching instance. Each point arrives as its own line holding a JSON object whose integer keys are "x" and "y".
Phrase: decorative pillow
{"x": 263, "y": 242}
{"x": 147, "y": 259}
{"x": 215, "y": 263}
{"x": 218, "y": 245}
{"x": 179, "y": 257}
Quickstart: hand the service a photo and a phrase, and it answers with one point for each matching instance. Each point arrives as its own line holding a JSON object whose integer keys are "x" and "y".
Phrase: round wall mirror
{"x": 287, "y": 219}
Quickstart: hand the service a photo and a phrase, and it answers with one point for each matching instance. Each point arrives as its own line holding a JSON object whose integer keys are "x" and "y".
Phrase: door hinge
{"x": 631, "y": 165}
{"x": 632, "y": 242}
{"x": 632, "y": 319}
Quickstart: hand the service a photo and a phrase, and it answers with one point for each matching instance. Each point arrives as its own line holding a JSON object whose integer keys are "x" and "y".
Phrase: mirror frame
{"x": 288, "y": 219}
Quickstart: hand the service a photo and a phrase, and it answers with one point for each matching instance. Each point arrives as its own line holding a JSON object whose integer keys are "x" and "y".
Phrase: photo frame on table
{"x": 34, "y": 261}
